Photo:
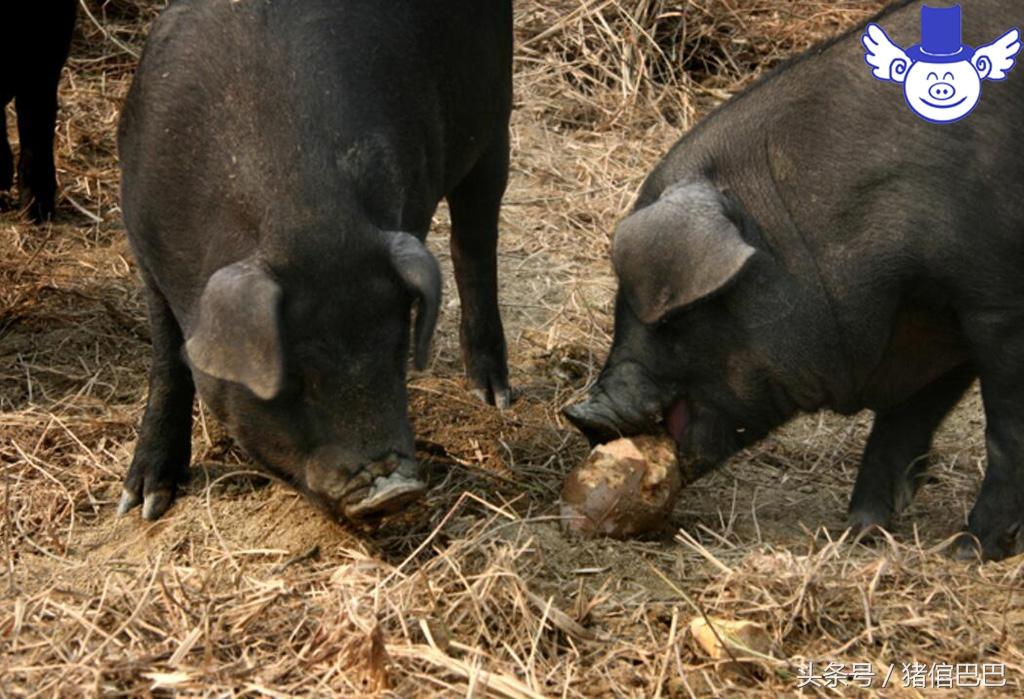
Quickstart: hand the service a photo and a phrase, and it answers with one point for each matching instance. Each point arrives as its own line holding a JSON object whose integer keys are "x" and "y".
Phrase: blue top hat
{"x": 940, "y": 37}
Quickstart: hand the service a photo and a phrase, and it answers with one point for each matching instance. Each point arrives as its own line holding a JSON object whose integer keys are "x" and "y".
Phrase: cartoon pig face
{"x": 943, "y": 92}
{"x": 937, "y": 87}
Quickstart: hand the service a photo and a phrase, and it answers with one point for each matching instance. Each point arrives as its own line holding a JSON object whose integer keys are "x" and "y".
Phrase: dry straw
{"x": 244, "y": 590}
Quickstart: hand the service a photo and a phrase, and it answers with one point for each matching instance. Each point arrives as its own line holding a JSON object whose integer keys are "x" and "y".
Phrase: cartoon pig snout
{"x": 942, "y": 92}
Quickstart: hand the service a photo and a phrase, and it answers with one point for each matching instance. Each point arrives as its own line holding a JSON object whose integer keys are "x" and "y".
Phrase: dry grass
{"x": 244, "y": 589}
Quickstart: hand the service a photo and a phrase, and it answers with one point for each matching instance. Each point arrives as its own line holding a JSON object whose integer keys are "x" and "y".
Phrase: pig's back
{"x": 833, "y": 163}
{"x": 879, "y": 210}
{"x": 251, "y": 117}
{"x": 289, "y": 84}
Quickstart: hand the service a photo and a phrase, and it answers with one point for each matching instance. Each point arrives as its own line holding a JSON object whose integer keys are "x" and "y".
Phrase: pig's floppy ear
{"x": 420, "y": 273}
{"x": 238, "y": 336}
{"x": 677, "y": 250}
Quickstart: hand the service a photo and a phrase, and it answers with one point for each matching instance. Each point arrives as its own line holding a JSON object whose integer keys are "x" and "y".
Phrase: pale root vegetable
{"x": 623, "y": 489}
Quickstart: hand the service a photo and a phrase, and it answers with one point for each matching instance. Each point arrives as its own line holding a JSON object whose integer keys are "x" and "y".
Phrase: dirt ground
{"x": 244, "y": 589}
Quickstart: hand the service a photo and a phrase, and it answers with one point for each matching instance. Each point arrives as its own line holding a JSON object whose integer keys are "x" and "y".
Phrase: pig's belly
{"x": 921, "y": 348}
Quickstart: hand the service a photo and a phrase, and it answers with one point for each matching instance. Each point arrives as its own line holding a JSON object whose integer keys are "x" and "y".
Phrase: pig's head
{"x": 713, "y": 337}
{"x": 304, "y": 360}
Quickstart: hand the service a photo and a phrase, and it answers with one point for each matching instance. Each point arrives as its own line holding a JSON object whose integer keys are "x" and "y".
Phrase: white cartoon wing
{"x": 996, "y": 60}
{"x": 886, "y": 58}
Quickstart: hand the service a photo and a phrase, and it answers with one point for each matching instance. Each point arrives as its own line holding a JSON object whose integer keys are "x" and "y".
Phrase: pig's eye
{"x": 933, "y": 76}
{"x": 948, "y": 77}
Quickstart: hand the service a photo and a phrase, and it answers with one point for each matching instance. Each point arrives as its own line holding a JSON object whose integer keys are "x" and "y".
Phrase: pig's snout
{"x": 597, "y": 423}
{"x": 600, "y": 421}
{"x": 624, "y": 403}
{"x": 362, "y": 490}
{"x": 942, "y": 92}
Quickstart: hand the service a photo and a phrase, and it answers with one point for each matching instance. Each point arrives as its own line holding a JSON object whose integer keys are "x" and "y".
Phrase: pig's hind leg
{"x": 475, "y": 204}
{"x": 896, "y": 456}
{"x": 164, "y": 448}
{"x": 995, "y": 527}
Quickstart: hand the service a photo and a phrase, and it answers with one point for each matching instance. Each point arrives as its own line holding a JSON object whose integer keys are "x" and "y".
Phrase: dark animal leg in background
{"x": 164, "y": 449}
{"x": 37, "y": 178}
{"x": 896, "y": 456}
{"x": 6, "y": 159}
{"x": 475, "y": 205}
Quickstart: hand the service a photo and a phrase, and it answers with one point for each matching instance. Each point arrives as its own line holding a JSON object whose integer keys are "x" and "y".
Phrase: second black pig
{"x": 814, "y": 244}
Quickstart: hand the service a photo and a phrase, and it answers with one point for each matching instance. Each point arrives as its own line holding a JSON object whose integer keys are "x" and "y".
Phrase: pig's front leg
{"x": 475, "y": 206}
{"x": 895, "y": 459}
{"x": 164, "y": 449}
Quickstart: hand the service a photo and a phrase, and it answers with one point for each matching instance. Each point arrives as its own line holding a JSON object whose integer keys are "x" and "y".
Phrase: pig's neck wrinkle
{"x": 765, "y": 218}
{"x": 765, "y": 208}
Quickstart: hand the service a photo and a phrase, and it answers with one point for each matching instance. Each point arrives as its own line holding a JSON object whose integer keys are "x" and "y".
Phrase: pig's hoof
{"x": 485, "y": 358}
{"x": 988, "y": 546}
{"x": 156, "y": 504}
{"x": 500, "y": 398}
{"x": 128, "y": 501}
{"x": 39, "y": 209}
{"x": 965, "y": 548}
{"x": 386, "y": 496}
{"x": 866, "y": 525}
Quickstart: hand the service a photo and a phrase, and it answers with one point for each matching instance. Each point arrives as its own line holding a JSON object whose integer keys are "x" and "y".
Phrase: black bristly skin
{"x": 863, "y": 259}
{"x": 282, "y": 161}
{"x": 37, "y": 37}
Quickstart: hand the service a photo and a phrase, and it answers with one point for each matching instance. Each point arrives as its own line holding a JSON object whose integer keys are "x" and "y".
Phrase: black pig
{"x": 33, "y": 51}
{"x": 815, "y": 244}
{"x": 282, "y": 160}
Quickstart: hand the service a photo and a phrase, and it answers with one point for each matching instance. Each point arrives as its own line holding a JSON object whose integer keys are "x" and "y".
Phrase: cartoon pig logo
{"x": 941, "y": 76}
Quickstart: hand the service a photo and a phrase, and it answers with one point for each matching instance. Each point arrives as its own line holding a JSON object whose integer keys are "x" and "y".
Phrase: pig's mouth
{"x": 676, "y": 419}
{"x": 704, "y": 438}
{"x": 706, "y": 432}
{"x": 677, "y": 423}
